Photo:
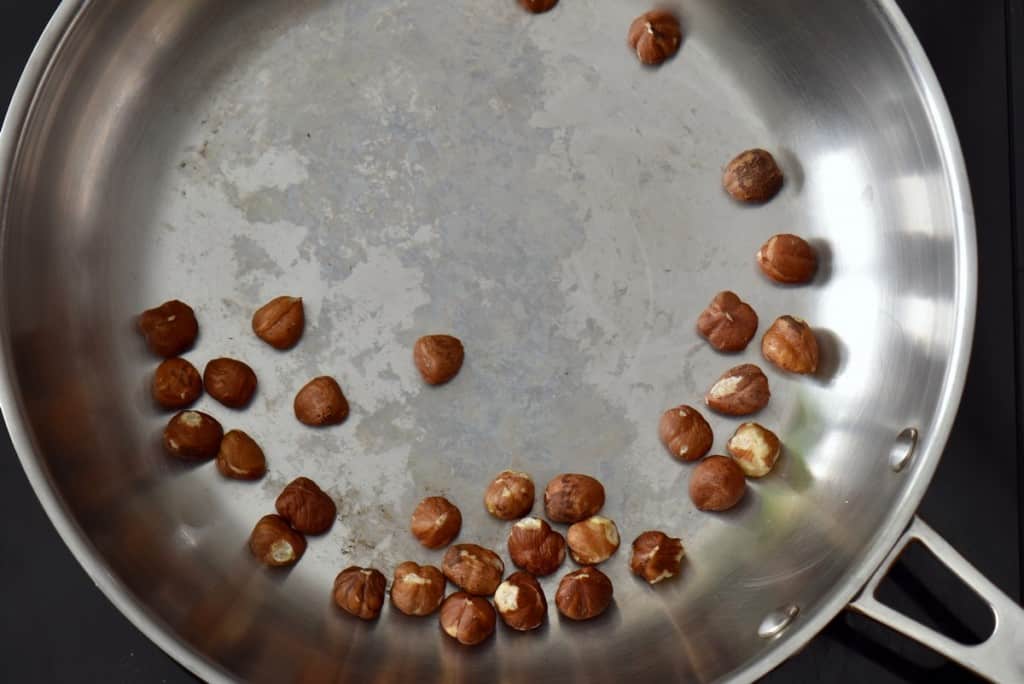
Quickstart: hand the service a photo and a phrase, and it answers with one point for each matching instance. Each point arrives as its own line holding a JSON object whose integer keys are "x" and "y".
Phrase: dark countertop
{"x": 61, "y": 628}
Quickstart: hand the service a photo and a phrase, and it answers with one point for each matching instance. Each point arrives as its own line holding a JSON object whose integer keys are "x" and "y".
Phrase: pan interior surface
{"x": 520, "y": 181}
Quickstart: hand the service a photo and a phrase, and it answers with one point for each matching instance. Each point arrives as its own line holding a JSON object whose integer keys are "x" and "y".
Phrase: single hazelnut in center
{"x": 473, "y": 568}
{"x": 307, "y": 507}
{"x": 467, "y": 619}
{"x": 572, "y": 497}
{"x": 520, "y": 602}
{"x": 240, "y": 457}
{"x": 360, "y": 591}
{"x": 790, "y": 344}
{"x": 280, "y": 322}
{"x": 584, "y": 594}
{"x": 275, "y": 543}
{"x": 655, "y": 36}
{"x": 535, "y": 547}
{"x": 438, "y": 358}
{"x": 728, "y": 323}
{"x": 230, "y": 382}
{"x": 176, "y": 384}
{"x": 417, "y": 589}
{"x": 593, "y": 540}
{"x": 510, "y": 496}
{"x": 436, "y": 522}
{"x": 321, "y": 402}
{"x": 656, "y": 556}
{"x": 685, "y": 433}
{"x": 192, "y": 436}
{"x": 169, "y": 329}
{"x": 717, "y": 484}
{"x": 752, "y": 176}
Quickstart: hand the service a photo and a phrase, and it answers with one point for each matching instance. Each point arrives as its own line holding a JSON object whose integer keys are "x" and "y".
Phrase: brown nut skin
{"x": 655, "y": 36}
{"x": 192, "y": 436}
{"x": 275, "y": 543}
{"x": 656, "y": 556}
{"x": 438, "y": 358}
{"x": 473, "y": 568}
{"x": 535, "y": 547}
{"x": 240, "y": 457}
{"x": 321, "y": 402}
{"x": 176, "y": 384}
{"x": 417, "y": 589}
{"x": 521, "y": 602}
{"x": 755, "y": 449}
{"x": 436, "y": 522}
{"x": 728, "y": 323}
{"x": 740, "y": 391}
{"x": 169, "y": 329}
{"x": 510, "y": 495}
{"x": 230, "y": 382}
{"x": 787, "y": 258}
{"x": 280, "y": 322}
{"x": 360, "y": 591}
{"x": 571, "y": 497}
{"x": 685, "y": 433}
{"x": 467, "y": 619}
{"x": 717, "y": 484}
{"x": 790, "y": 344}
{"x": 584, "y": 594}
{"x": 307, "y": 507}
{"x": 593, "y": 540}
{"x": 752, "y": 176}
{"x": 537, "y": 6}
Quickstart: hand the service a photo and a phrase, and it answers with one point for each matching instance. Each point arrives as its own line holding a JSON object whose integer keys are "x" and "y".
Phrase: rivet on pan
{"x": 903, "y": 449}
{"x": 777, "y": 621}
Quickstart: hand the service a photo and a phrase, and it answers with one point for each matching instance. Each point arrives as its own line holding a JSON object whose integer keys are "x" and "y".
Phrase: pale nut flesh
{"x": 656, "y": 556}
{"x": 593, "y": 540}
{"x": 520, "y": 602}
{"x": 740, "y": 391}
{"x": 755, "y": 449}
{"x": 510, "y": 495}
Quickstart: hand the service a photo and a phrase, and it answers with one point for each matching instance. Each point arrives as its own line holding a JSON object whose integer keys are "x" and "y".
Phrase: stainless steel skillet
{"x": 411, "y": 167}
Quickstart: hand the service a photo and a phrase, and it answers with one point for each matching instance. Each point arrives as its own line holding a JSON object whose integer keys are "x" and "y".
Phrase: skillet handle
{"x": 1000, "y": 658}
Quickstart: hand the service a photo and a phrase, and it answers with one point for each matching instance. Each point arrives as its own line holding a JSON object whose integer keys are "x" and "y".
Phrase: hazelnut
{"x": 593, "y": 540}
{"x": 535, "y": 547}
{"x": 169, "y": 329}
{"x": 240, "y": 457}
{"x": 537, "y": 6}
{"x": 438, "y": 358}
{"x": 740, "y": 391}
{"x": 685, "y": 433}
{"x": 473, "y": 568}
{"x": 360, "y": 591}
{"x": 755, "y": 449}
{"x": 728, "y": 323}
{"x": 790, "y": 344}
{"x": 192, "y": 436}
{"x": 753, "y": 176}
{"x": 571, "y": 497}
{"x": 584, "y": 594}
{"x": 510, "y": 495}
{"x": 656, "y": 556}
{"x": 321, "y": 402}
{"x": 655, "y": 36}
{"x": 717, "y": 484}
{"x": 521, "y": 602}
{"x": 230, "y": 382}
{"x": 279, "y": 322}
{"x": 275, "y": 543}
{"x": 176, "y": 384}
{"x": 417, "y": 589}
{"x": 435, "y": 522}
{"x": 467, "y": 619}
{"x": 307, "y": 507}
{"x": 787, "y": 259}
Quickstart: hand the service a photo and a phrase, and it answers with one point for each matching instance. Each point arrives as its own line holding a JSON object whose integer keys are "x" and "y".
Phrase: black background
{"x": 59, "y": 627}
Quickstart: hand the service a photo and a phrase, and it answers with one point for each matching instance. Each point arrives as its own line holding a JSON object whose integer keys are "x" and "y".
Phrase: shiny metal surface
{"x": 415, "y": 167}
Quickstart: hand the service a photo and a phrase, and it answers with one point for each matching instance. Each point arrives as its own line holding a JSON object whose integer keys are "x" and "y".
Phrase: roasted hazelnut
{"x": 360, "y": 591}
{"x": 752, "y": 176}
{"x": 729, "y": 323}
{"x": 473, "y": 568}
{"x": 656, "y": 556}
{"x": 535, "y": 547}
{"x": 321, "y": 402}
{"x": 176, "y": 384}
{"x": 169, "y": 329}
{"x": 510, "y": 495}
{"x": 467, "y": 619}
{"x": 584, "y": 594}
{"x": 280, "y": 321}
{"x": 788, "y": 259}
{"x": 192, "y": 436}
{"x": 740, "y": 391}
{"x": 307, "y": 507}
{"x": 520, "y": 602}
{"x": 230, "y": 382}
{"x": 790, "y": 344}
{"x": 417, "y": 589}
{"x": 275, "y": 543}
{"x": 438, "y": 358}
{"x": 537, "y": 6}
{"x": 685, "y": 433}
{"x": 570, "y": 497}
{"x": 240, "y": 457}
{"x": 593, "y": 540}
{"x": 655, "y": 36}
{"x": 755, "y": 449}
{"x": 435, "y": 522}
{"x": 717, "y": 484}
